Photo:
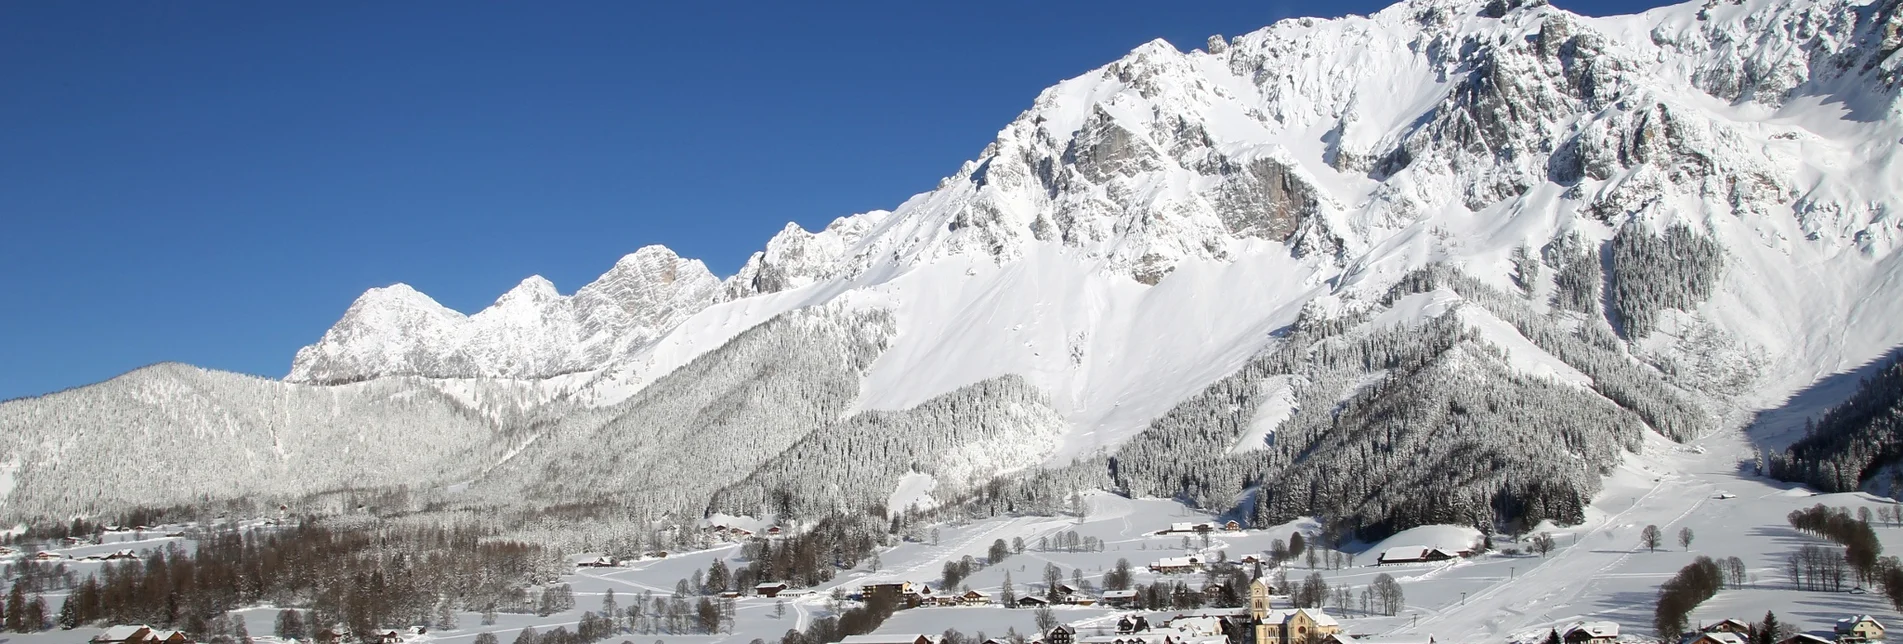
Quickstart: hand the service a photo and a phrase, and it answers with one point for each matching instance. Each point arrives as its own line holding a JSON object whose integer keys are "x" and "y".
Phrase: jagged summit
{"x": 531, "y": 331}
{"x": 1324, "y": 139}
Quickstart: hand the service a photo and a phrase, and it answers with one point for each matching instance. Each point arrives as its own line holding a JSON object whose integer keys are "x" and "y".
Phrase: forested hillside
{"x": 1854, "y": 442}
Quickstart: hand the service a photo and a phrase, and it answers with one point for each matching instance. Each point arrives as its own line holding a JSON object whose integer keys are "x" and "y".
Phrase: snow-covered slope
{"x": 1678, "y": 216}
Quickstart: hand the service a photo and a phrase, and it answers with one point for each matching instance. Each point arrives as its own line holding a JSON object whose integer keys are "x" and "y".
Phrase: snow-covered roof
{"x": 1721, "y": 637}
{"x": 1177, "y": 561}
{"x": 770, "y": 584}
{"x": 1118, "y": 594}
{"x": 1848, "y": 623}
{"x": 120, "y": 633}
{"x": 1321, "y": 618}
{"x": 1805, "y": 638}
{"x": 1595, "y": 629}
{"x": 1200, "y": 625}
{"x": 1404, "y": 553}
{"x": 886, "y": 638}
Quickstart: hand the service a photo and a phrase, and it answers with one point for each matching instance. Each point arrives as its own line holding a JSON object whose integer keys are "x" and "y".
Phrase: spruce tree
{"x": 16, "y": 609}
{"x": 1767, "y": 630}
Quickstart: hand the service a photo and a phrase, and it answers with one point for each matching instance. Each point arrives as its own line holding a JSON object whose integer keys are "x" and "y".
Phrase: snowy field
{"x": 1598, "y": 571}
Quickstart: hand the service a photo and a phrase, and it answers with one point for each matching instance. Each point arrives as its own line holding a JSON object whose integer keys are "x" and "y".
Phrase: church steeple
{"x": 1259, "y": 598}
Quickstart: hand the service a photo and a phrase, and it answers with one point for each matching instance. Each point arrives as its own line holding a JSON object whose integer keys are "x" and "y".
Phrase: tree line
{"x": 363, "y": 579}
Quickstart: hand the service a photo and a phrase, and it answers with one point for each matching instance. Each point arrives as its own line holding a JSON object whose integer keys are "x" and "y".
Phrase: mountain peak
{"x": 534, "y": 290}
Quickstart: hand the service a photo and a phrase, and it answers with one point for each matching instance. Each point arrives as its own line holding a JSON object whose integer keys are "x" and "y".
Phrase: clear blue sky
{"x": 213, "y": 182}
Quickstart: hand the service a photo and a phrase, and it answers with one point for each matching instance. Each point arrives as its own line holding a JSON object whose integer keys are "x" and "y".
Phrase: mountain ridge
{"x": 1691, "y": 208}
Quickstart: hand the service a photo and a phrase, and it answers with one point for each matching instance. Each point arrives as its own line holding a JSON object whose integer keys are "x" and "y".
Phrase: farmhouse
{"x": 1189, "y": 528}
{"x": 1720, "y": 637}
{"x": 1729, "y": 626}
{"x": 1119, "y": 598}
{"x": 1415, "y": 554}
{"x": 1177, "y": 565}
{"x": 769, "y": 589}
{"x": 974, "y": 598}
{"x": 1590, "y": 633}
{"x": 1032, "y": 601}
{"x": 169, "y": 637}
{"x": 123, "y": 635}
{"x": 1061, "y": 634}
{"x": 1859, "y": 628}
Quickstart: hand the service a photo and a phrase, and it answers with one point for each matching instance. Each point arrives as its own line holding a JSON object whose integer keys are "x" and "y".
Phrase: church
{"x": 1289, "y": 626}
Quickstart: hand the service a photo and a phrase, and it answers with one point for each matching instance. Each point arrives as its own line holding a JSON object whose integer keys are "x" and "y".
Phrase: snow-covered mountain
{"x": 530, "y": 332}
{"x": 1201, "y": 264}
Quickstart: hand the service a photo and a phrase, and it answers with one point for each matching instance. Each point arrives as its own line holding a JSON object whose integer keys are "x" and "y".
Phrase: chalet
{"x": 1189, "y": 528}
{"x": 169, "y": 637}
{"x": 1805, "y": 638}
{"x": 975, "y": 598}
{"x": 121, "y": 554}
{"x": 1065, "y": 593}
{"x": 1859, "y": 628}
{"x": 740, "y": 532}
{"x": 774, "y": 531}
{"x": 1232, "y": 526}
{"x": 1060, "y": 634}
{"x": 331, "y": 635}
{"x": 1177, "y": 565}
{"x": 1590, "y": 633}
{"x": 47, "y": 556}
{"x": 123, "y": 635}
{"x": 1729, "y": 626}
{"x": 597, "y": 562}
{"x": 1032, "y": 601}
{"x": 1212, "y": 592}
{"x": 1414, "y": 554}
{"x": 1119, "y": 598}
{"x": 1137, "y": 625}
{"x": 1250, "y": 559}
{"x": 907, "y": 638}
{"x": 920, "y": 597}
{"x": 1720, "y": 637}
{"x": 770, "y": 589}
{"x": 383, "y": 637}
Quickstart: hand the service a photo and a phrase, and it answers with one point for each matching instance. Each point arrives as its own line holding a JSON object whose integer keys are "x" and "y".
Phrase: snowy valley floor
{"x": 1598, "y": 571}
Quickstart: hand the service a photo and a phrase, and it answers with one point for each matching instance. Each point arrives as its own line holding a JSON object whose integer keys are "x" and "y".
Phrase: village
{"x": 1150, "y": 571}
